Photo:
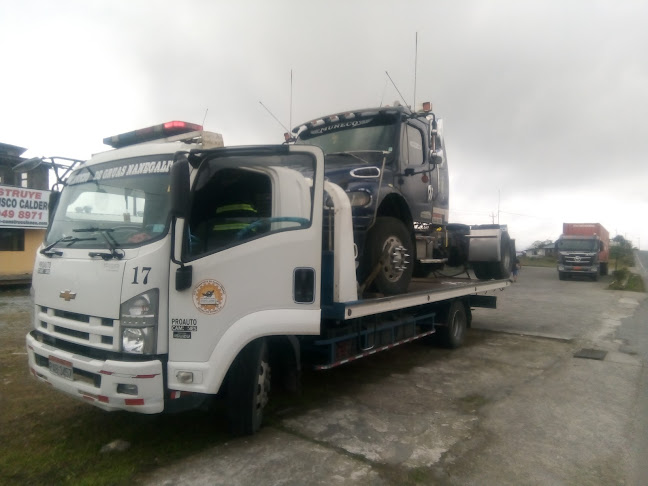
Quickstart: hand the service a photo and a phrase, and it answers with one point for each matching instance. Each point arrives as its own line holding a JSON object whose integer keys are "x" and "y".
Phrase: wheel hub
{"x": 395, "y": 259}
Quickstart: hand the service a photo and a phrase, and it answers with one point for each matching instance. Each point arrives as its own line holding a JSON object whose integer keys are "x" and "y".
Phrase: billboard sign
{"x": 23, "y": 208}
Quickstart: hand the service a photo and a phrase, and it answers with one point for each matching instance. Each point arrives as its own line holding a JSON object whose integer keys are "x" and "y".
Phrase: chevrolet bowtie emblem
{"x": 67, "y": 295}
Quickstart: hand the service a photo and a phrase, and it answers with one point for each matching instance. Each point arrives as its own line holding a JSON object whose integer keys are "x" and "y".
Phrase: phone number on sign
{"x": 10, "y": 213}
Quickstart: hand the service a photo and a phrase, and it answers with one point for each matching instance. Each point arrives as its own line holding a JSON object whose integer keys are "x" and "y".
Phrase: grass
{"x": 538, "y": 262}
{"x": 49, "y": 438}
{"x": 624, "y": 279}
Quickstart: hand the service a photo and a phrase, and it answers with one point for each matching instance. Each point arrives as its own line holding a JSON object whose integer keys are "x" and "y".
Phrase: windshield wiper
{"x": 48, "y": 251}
{"x": 110, "y": 241}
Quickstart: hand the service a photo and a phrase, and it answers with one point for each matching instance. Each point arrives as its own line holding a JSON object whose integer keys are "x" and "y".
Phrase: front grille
{"x": 94, "y": 331}
{"x": 577, "y": 260}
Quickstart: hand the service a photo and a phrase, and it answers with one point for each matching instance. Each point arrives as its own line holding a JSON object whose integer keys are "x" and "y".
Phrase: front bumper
{"x": 99, "y": 382}
{"x": 578, "y": 269}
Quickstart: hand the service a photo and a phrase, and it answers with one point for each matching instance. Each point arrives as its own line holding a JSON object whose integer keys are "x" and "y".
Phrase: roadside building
{"x": 24, "y": 199}
{"x": 547, "y": 249}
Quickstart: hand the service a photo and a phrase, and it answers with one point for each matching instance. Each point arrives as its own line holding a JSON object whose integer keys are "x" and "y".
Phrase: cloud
{"x": 544, "y": 102}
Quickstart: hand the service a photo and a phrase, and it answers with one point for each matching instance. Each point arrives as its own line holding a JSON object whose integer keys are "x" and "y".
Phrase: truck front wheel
{"x": 248, "y": 386}
{"x": 389, "y": 246}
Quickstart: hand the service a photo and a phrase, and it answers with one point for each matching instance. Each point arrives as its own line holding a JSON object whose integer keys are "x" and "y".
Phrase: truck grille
{"x": 94, "y": 331}
{"x": 578, "y": 260}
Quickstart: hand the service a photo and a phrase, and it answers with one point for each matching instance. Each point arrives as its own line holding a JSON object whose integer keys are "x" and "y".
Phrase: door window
{"x": 243, "y": 198}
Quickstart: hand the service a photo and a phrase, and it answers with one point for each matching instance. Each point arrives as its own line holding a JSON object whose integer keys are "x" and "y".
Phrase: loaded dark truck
{"x": 583, "y": 249}
{"x": 174, "y": 270}
{"x": 392, "y": 164}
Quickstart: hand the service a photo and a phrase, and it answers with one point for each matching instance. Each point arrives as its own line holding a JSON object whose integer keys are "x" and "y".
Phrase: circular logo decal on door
{"x": 209, "y": 297}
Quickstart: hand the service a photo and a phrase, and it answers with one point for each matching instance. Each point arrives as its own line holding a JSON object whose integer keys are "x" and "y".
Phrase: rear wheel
{"x": 497, "y": 270}
{"x": 248, "y": 387}
{"x": 452, "y": 333}
{"x": 389, "y": 246}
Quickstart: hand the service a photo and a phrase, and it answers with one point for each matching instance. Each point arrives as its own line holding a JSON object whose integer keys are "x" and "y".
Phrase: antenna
{"x": 205, "y": 117}
{"x": 415, "y": 65}
{"x": 272, "y": 115}
{"x": 392, "y": 82}
{"x": 291, "y": 98}
{"x": 382, "y": 98}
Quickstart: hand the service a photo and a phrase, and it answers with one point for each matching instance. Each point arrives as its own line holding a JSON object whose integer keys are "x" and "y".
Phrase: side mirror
{"x": 184, "y": 276}
{"x": 180, "y": 188}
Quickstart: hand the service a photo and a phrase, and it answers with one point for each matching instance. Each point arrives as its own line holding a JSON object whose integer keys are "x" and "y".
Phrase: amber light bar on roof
{"x": 149, "y": 134}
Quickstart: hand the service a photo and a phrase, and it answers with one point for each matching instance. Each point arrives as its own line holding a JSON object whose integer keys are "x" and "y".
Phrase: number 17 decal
{"x": 145, "y": 273}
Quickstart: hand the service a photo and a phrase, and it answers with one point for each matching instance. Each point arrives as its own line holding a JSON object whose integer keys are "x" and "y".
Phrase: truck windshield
{"x": 126, "y": 200}
{"x": 359, "y": 136}
{"x": 578, "y": 245}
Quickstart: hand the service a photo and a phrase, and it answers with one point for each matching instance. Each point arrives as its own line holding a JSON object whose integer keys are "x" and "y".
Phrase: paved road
{"x": 513, "y": 406}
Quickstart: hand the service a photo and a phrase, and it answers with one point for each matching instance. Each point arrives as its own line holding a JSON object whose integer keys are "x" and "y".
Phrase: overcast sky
{"x": 544, "y": 102}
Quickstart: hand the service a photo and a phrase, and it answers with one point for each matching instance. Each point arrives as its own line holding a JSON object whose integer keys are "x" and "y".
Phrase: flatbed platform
{"x": 421, "y": 291}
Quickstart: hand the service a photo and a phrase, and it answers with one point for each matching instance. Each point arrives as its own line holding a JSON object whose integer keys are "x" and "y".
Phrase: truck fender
{"x": 285, "y": 362}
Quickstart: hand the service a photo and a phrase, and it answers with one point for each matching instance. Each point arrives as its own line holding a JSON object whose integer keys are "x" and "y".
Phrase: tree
{"x": 621, "y": 252}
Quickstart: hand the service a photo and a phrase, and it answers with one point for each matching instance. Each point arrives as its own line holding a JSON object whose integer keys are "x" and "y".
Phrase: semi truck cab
{"x": 392, "y": 164}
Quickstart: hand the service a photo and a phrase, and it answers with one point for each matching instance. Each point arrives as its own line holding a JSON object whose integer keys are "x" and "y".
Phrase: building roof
{"x": 10, "y": 150}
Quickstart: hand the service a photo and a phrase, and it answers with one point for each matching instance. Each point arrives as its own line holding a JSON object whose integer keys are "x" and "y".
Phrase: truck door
{"x": 253, "y": 241}
{"x": 416, "y": 181}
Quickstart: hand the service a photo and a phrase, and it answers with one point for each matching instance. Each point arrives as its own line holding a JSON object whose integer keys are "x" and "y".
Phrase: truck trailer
{"x": 175, "y": 269}
{"x": 583, "y": 249}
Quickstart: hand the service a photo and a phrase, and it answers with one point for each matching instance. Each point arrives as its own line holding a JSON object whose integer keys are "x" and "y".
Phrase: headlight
{"x": 359, "y": 198}
{"x": 139, "y": 318}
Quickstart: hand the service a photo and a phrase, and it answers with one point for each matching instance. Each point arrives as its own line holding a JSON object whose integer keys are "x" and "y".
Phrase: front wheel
{"x": 389, "y": 246}
{"x": 248, "y": 388}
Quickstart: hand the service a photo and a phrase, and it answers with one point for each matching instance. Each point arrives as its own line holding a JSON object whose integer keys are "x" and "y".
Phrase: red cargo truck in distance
{"x": 583, "y": 249}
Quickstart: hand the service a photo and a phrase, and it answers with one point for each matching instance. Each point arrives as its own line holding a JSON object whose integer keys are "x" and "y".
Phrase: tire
{"x": 452, "y": 333}
{"x": 562, "y": 276}
{"x": 248, "y": 387}
{"x": 502, "y": 269}
{"x": 390, "y": 244}
{"x": 604, "y": 268}
{"x": 496, "y": 270}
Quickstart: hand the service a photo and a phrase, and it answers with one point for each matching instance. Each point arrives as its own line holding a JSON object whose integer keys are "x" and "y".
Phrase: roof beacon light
{"x": 427, "y": 106}
{"x": 149, "y": 134}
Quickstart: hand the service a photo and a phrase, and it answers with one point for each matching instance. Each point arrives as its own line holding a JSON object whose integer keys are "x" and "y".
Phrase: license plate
{"x": 578, "y": 268}
{"x": 60, "y": 367}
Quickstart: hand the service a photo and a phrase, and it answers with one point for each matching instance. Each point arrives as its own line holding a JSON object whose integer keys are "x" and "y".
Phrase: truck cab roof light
{"x": 149, "y": 134}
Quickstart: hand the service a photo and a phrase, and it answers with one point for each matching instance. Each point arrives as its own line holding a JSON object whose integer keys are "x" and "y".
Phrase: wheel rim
{"x": 394, "y": 258}
{"x": 458, "y": 321}
{"x": 263, "y": 387}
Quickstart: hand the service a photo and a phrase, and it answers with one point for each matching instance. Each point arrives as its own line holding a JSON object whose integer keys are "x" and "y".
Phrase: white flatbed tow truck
{"x": 174, "y": 270}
